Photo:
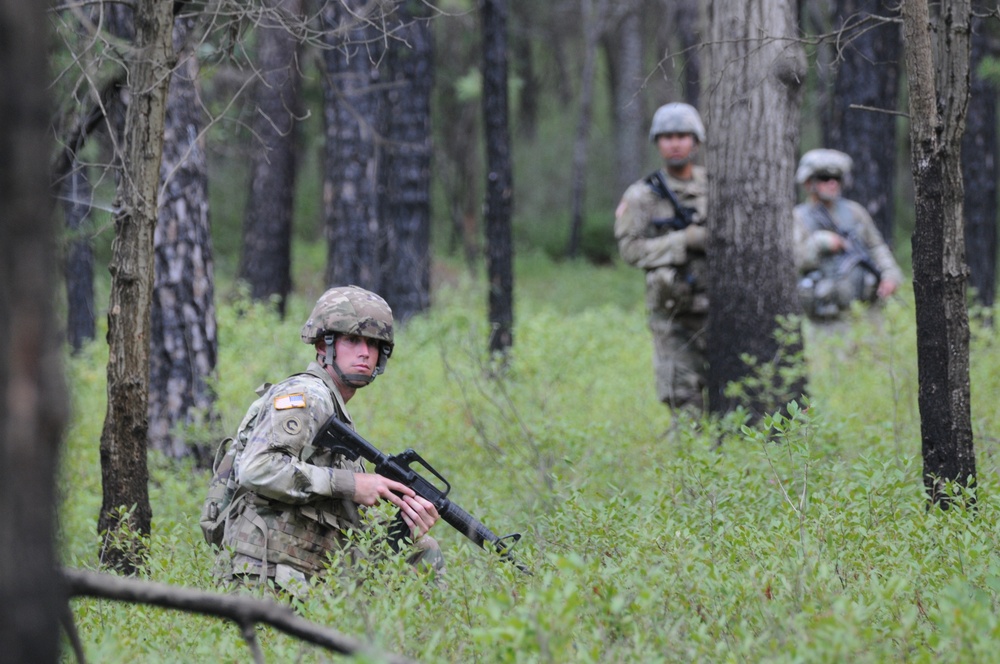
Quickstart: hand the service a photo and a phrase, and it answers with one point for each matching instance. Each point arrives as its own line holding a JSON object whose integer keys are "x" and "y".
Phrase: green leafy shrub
{"x": 805, "y": 538}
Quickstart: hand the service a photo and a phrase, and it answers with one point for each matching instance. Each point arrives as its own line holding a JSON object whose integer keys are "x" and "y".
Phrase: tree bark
{"x": 979, "y": 174}
{"x": 353, "y": 111}
{"x": 865, "y": 93}
{"x": 593, "y": 28}
{"x": 759, "y": 69}
{"x": 938, "y": 93}
{"x": 499, "y": 178}
{"x": 265, "y": 263}
{"x": 406, "y": 177}
{"x": 33, "y": 395}
{"x": 624, "y": 48}
{"x": 184, "y": 346}
{"x": 78, "y": 263}
{"x": 124, "y": 472}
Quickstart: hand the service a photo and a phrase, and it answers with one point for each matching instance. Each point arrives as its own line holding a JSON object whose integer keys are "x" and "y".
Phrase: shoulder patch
{"x": 286, "y": 401}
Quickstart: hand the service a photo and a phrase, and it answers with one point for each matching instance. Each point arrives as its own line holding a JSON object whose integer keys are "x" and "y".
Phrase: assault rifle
{"x": 341, "y": 439}
{"x": 683, "y": 216}
{"x": 855, "y": 253}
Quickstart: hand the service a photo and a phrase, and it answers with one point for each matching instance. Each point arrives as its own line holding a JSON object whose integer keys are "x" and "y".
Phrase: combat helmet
{"x": 356, "y": 311}
{"x": 823, "y": 161}
{"x": 677, "y": 118}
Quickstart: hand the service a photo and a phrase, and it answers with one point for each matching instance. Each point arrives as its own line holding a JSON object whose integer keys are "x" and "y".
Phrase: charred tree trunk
{"x": 124, "y": 472}
{"x": 939, "y": 93}
{"x": 183, "y": 343}
{"x": 405, "y": 203}
{"x": 32, "y": 393}
{"x": 499, "y": 178}
{"x": 979, "y": 173}
{"x": 352, "y": 110}
{"x": 760, "y": 69}
{"x": 593, "y": 27}
{"x": 265, "y": 264}
{"x": 78, "y": 262}
{"x": 865, "y": 93}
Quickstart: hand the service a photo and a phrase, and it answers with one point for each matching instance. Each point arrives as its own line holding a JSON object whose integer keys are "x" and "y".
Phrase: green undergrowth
{"x": 649, "y": 540}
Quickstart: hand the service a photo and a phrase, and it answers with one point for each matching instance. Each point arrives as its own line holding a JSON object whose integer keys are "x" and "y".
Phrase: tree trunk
{"x": 522, "y": 38}
{"x": 352, "y": 110}
{"x": 405, "y": 203}
{"x": 689, "y": 33}
{"x": 499, "y": 179}
{"x": 458, "y": 155}
{"x": 759, "y": 73}
{"x": 33, "y": 396}
{"x": 867, "y": 79}
{"x": 593, "y": 27}
{"x": 183, "y": 339}
{"x": 938, "y": 93}
{"x": 625, "y": 71}
{"x": 265, "y": 264}
{"x": 124, "y": 472}
{"x": 979, "y": 173}
{"x": 78, "y": 264}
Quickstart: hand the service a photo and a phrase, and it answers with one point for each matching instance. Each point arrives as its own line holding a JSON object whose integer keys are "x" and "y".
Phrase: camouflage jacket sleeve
{"x": 279, "y": 462}
{"x": 810, "y": 247}
{"x": 879, "y": 250}
{"x": 638, "y": 244}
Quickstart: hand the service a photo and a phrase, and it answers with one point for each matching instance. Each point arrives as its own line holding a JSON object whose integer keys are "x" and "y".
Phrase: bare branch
{"x": 245, "y": 611}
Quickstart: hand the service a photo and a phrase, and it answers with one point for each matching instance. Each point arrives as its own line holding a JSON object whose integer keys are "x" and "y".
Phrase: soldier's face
{"x": 676, "y": 149}
{"x": 826, "y": 187}
{"x": 356, "y": 355}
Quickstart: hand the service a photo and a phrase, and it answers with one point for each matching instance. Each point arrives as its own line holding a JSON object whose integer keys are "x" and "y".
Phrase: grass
{"x": 646, "y": 545}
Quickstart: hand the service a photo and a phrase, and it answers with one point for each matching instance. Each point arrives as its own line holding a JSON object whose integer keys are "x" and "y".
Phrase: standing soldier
{"x": 840, "y": 254}
{"x": 296, "y": 504}
{"x": 660, "y": 228}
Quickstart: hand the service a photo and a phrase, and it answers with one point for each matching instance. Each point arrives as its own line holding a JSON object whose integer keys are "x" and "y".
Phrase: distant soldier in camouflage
{"x": 660, "y": 227}
{"x": 295, "y": 503}
{"x": 840, "y": 254}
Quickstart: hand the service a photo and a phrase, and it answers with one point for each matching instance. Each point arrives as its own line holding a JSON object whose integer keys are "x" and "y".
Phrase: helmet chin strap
{"x": 351, "y": 380}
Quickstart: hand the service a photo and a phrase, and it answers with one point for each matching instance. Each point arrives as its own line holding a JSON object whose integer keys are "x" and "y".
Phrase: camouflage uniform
{"x": 295, "y": 504}
{"x": 830, "y": 281}
{"x": 676, "y": 296}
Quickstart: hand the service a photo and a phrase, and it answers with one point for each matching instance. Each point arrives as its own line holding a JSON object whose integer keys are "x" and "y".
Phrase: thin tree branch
{"x": 243, "y": 610}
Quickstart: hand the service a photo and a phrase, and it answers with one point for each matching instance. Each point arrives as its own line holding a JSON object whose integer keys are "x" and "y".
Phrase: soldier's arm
{"x": 271, "y": 465}
{"x": 645, "y": 252}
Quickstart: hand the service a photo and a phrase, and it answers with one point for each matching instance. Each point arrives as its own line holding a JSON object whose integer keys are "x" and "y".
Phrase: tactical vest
{"x": 840, "y": 278}
{"x": 299, "y": 535}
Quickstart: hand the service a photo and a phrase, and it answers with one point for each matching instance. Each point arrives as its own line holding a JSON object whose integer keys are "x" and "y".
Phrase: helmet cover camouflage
{"x": 823, "y": 161}
{"x": 677, "y": 118}
{"x": 349, "y": 310}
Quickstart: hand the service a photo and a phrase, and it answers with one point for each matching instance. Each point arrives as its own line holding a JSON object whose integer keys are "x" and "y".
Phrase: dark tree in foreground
{"x": 757, "y": 82}
{"x": 938, "y": 81}
{"x": 265, "y": 264}
{"x": 32, "y": 394}
{"x": 499, "y": 179}
{"x": 979, "y": 174}
{"x": 183, "y": 343}
{"x": 863, "y": 103}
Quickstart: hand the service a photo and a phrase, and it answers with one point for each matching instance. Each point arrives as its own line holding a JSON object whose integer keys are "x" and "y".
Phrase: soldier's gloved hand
{"x": 695, "y": 237}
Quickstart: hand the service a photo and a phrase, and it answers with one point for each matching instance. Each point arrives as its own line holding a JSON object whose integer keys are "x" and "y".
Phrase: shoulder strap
{"x": 658, "y": 183}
